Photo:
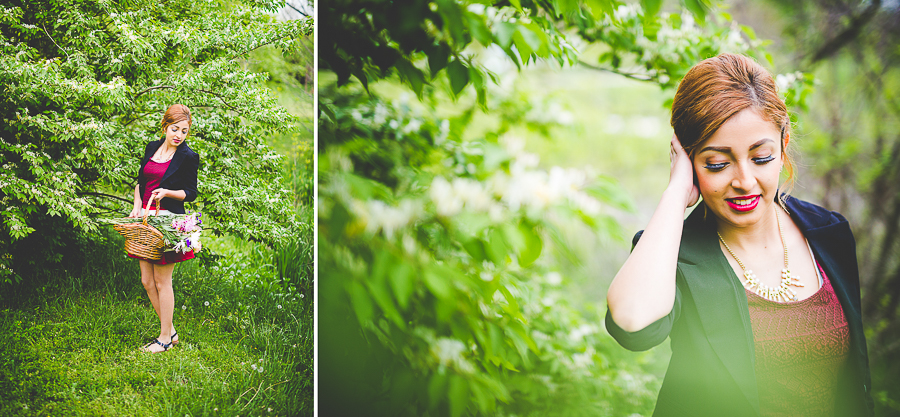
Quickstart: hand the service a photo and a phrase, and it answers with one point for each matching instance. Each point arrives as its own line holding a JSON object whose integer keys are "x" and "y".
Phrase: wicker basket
{"x": 142, "y": 239}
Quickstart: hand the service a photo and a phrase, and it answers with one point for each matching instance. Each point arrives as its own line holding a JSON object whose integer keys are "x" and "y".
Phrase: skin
{"x": 728, "y": 164}
{"x": 157, "y": 279}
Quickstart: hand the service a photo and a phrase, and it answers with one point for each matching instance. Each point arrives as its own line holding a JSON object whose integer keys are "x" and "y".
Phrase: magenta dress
{"x": 154, "y": 172}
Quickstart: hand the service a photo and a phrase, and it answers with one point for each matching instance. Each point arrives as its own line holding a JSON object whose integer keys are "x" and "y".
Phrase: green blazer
{"x": 711, "y": 372}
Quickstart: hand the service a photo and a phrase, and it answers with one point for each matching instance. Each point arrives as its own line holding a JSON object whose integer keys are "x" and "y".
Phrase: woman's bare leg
{"x": 163, "y": 277}
{"x": 147, "y": 278}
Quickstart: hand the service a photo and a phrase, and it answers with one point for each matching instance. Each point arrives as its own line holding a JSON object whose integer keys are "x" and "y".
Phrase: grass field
{"x": 246, "y": 343}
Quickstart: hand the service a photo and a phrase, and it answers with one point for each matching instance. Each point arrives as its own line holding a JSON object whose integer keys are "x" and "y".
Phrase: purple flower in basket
{"x": 187, "y": 242}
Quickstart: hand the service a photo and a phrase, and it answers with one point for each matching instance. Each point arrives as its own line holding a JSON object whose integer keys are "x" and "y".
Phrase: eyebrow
{"x": 727, "y": 149}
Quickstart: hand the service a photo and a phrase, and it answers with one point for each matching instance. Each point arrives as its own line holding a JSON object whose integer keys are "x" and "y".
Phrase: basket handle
{"x": 147, "y": 210}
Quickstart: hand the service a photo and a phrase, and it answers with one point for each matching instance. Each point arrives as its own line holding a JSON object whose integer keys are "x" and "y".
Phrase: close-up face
{"x": 176, "y": 132}
{"x": 738, "y": 168}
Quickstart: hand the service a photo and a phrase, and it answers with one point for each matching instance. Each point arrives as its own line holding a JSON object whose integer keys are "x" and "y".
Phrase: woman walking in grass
{"x": 785, "y": 340}
{"x": 167, "y": 174}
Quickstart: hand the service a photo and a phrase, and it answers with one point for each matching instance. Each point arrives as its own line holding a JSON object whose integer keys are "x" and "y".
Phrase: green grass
{"x": 74, "y": 350}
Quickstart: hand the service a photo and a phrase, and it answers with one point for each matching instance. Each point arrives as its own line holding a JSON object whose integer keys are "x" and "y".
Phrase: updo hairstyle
{"x": 716, "y": 89}
{"x": 174, "y": 114}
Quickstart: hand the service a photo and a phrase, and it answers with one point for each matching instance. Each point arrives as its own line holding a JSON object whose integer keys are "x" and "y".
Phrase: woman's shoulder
{"x": 188, "y": 151}
{"x": 812, "y": 215}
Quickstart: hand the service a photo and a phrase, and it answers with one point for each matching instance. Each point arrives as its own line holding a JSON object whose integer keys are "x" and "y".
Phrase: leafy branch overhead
{"x": 419, "y": 40}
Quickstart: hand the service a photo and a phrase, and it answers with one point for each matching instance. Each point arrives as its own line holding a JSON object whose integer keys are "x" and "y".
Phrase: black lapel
{"x": 180, "y": 153}
{"x": 721, "y": 302}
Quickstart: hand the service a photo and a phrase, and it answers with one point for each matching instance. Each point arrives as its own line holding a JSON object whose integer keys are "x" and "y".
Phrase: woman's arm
{"x": 643, "y": 290}
{"x": 136, "y": 209}
{"x": 161, "y": 193}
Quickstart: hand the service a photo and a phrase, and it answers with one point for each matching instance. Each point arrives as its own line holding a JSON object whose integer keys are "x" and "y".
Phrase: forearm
{"x": 176, "y": 195}
{"x": 643, "y": 290}
{"x": 137, "y": 196}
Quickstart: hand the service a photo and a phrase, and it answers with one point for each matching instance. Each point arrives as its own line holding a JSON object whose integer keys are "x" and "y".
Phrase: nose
{"x": 743, "y": 178}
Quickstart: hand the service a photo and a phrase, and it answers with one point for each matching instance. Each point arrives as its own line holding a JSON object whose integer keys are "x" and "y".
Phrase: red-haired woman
{"x": 758, "y": 291}
{"x": 168, "y": 173}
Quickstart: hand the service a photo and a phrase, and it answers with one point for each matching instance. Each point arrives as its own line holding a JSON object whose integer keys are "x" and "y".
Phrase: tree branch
{"x": 220, "y": 98}
{"x": 149, "y": 89}
{"x": 54, "y": 42}
{"x": 105, "y": 195}
{"x": 297, "y": 10}
{"x": 848, "y": 34}
{"x": 161, "y": 87}
{"x": 639, "y": 77}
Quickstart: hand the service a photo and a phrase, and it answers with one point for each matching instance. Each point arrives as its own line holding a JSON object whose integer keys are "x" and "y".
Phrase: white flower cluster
{"x": 378, "y": 215}
{"x": 449, "y": 353}
{"x": 786, "y": 81}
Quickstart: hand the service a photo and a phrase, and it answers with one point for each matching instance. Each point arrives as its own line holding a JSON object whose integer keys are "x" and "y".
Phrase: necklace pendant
{"x": 790, "y": 279}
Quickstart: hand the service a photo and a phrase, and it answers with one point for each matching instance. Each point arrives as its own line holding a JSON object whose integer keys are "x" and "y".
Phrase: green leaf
{"x": 459, "y": 395}
{"x": 497, "y": 249}
{"x": 437, "y": 386}
{"x": 651, "y": 8}
{"x": 437, "y": 58}
{"x": 403, "y": 283}
{"x": 459, "y": 76}
{"x": 522, "y": 47}
{"x": 533, "y": 245}
{"x": 475, "y": 249}
{"x": 362, "y": 304}
{"x": 380, "y": 293}
{"x": 698, "y": 8}
{"x": 504, "y": 32}
{"x": 436, "y": 281}
{"x": 412, "y": 75}
{"x": 535, "y": 38}
{"x": 601, "y": 8}
{"x": 453, "y": 21}
{"x": 479, "y": 30}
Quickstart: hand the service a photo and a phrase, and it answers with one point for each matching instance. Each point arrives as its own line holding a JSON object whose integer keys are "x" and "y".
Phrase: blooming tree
{"x": 84, "y": 85}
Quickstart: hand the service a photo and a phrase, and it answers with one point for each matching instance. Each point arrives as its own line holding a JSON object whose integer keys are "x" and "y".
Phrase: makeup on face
{"x": 176, "y": 132}
{"x": 738, "y": 168}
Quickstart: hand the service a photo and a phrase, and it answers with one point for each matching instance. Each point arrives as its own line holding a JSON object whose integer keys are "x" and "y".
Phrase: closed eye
{"x": 716, "y": 167}
{"x": 764, "y": 160}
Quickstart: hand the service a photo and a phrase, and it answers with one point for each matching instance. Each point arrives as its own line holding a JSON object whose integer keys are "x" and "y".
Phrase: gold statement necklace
{"x": 783, "y": 292}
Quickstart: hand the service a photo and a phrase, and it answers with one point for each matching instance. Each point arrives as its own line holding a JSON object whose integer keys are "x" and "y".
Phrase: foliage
{"x": 84, "y": 85}
{"x": 441, "y": 241}
{"x": 437, "y": 249}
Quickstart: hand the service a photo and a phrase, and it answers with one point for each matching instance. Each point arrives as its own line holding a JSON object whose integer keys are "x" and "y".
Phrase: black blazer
{"x": 712, "y": 371}
{"x": 181, "y": 175}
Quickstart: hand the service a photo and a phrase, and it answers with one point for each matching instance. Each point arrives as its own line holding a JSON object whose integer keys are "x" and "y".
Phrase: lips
{"x": 744, "y": 203}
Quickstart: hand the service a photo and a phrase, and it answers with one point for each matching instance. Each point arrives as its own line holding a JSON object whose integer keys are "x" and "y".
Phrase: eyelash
{"x": 720, "y": 166}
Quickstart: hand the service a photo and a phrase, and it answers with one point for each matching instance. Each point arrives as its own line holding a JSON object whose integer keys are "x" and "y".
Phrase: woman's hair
{"x": 174, "y": 114}
{"x": 716, "y": 89}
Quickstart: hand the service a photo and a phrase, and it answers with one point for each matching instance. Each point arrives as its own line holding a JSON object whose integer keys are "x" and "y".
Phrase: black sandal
{"x": 172, "y": 339}
{"x": 165, "y": 346}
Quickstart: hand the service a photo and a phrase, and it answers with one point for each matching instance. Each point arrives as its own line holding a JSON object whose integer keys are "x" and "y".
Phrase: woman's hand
{"x": 681, "y": 175}
{"x": 159, "y": 194}
{"x": 135, "y": 212}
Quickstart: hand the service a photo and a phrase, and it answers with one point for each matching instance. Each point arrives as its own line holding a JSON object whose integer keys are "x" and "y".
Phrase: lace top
{"x": 801, "y": 347}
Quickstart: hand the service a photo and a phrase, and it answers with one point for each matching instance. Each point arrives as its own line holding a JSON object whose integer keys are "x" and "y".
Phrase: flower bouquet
{"x": 172, "y": 232}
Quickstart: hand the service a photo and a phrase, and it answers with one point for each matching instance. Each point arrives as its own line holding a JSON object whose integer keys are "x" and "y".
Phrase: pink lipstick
{"x": 743, "y": 203}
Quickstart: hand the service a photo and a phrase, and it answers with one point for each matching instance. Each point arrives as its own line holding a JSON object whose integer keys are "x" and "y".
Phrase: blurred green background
{"x": 389, "y": 136}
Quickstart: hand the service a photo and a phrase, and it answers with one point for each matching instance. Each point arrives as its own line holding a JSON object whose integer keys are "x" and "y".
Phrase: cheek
{"x": 708, "y": 184}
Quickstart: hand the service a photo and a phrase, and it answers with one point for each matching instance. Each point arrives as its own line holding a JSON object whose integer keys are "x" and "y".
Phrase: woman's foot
{"x": 156, "y": 346}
